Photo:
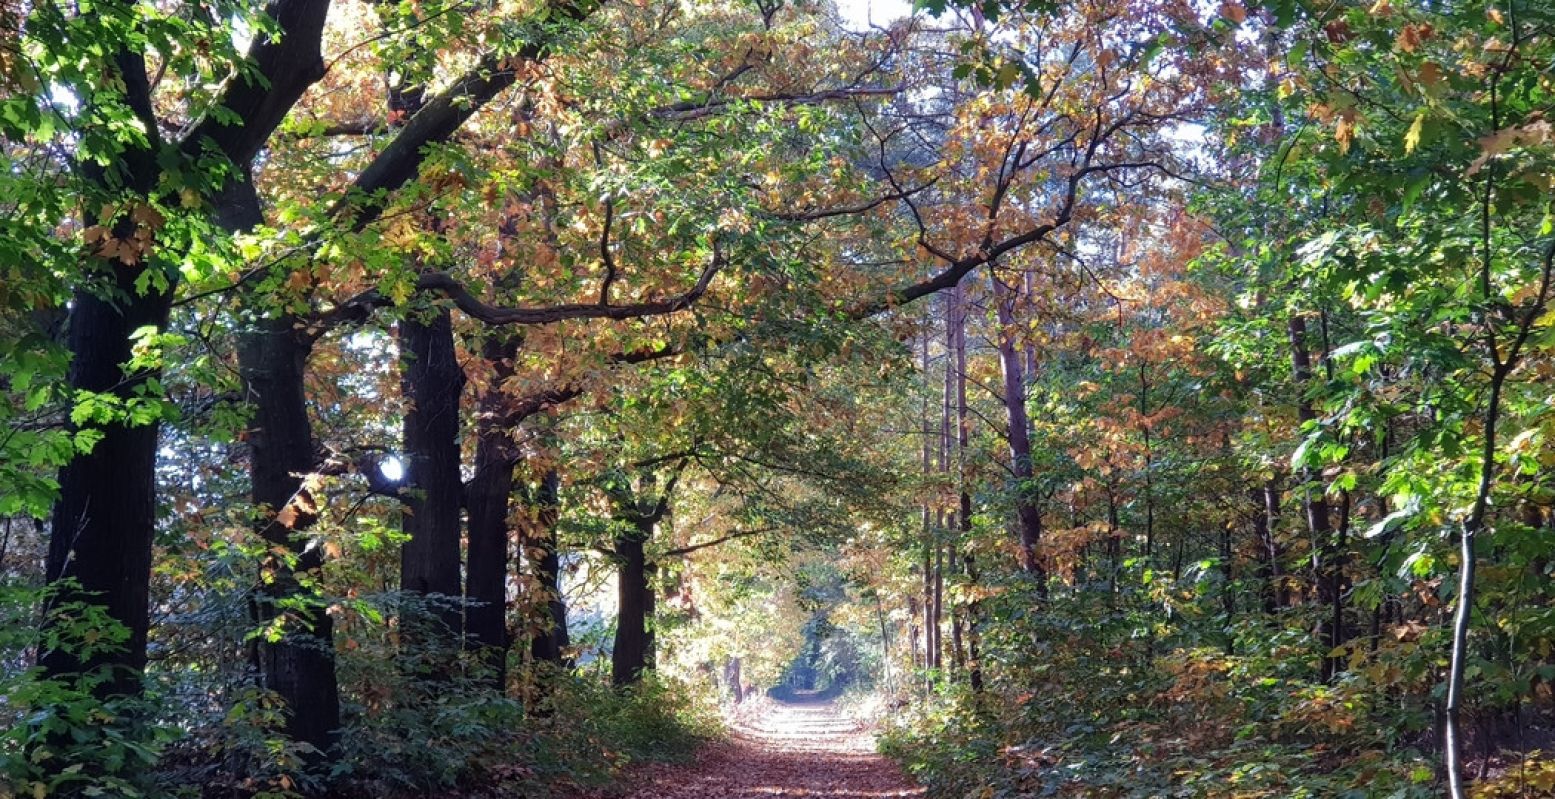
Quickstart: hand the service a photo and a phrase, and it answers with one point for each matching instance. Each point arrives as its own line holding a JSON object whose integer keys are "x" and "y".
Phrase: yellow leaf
{"x": 1412, "y": 136}
{"x": 1344, "y": 132}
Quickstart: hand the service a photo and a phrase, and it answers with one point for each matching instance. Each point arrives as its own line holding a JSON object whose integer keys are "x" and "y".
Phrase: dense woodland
{"x": 1123, "y": 398}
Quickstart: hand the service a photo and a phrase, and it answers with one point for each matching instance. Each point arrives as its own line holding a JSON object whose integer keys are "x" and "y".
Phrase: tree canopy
{"x": 1133, "y": 397}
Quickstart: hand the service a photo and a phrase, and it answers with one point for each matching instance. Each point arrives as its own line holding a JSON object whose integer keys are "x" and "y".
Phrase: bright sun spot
{"x": 865, "y": 14}
{"x": 392, "y": 469}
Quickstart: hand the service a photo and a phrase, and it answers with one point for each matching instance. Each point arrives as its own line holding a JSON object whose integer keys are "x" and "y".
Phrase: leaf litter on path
{"x": 795, "y": 749}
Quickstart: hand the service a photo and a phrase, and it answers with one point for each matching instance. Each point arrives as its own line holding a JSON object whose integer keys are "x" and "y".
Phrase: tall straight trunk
{"x": 946, "y": 449}
{"x": 549, "y": 643}
{"x": 974, "y": 636}
{"x": 1114, "y": 542}
{"x": 1029, "y": 285}
{"x": 930, "y": 538}
{"x": 1144, "y": 430}
{"x": 299, "y": 666}
{"x": 957, "y": 636}
{"x": 1336, "y": 568}
{"x": 631, "y": 654}
{"x": 964, "y": 519}
{"x": 1228, "y": 593}
{"x": 1028, "y": 514}
{"x": 930, "y": 610}
{"x": 105, "y": 517}
{"x": 936, "y": 622}
{"x": 1315, "y": 503}
{"x": 487, "y": 502}
{"x": 487, "y": 558}
{"x": 433, "y": 383}
{"x": 1272, "y": 553}
{"x": 885, "y": 645}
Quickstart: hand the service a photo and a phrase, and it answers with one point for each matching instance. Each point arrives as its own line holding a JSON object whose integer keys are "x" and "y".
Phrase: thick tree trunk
{"x": 433, "y": 383}
{"x": 100, "y": 539}
{"x": 300, "y": 665}
{"x": 104, "y": 520}
{"x": 549, "y": 644}
{"x": 632, "y": 652}
{"x": 1028, "y": 514}
{"x": 487, "y": 501}
{"x": 486, "y": 571}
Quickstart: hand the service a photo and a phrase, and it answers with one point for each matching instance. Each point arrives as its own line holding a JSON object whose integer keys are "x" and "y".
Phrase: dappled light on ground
{"x": 797, "y": 748}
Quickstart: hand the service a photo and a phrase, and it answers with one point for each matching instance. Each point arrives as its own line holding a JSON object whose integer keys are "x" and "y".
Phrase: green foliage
{"x": 61, "y": 736}
{"x": 577, "y": 731}
{"x": 1090, "y": 711}
{"x": 656, "y": 718}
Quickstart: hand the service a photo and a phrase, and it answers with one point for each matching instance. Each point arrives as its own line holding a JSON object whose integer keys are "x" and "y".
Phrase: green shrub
{"x": 58, "y": 736}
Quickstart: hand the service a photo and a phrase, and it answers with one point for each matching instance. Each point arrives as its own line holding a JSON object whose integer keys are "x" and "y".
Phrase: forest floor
{"x": 799, "y": 748}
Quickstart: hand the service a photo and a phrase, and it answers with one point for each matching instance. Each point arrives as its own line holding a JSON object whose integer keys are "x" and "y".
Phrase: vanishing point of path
{"x": 800, "y": 748}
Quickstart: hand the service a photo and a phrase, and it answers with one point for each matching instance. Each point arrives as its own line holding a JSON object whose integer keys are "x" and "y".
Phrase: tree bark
{"x": 1272, "y": 554}
{"x": 930, "y": 538}
{"x": 632, "y": 653}
{"x": 1028, "y": 514}
{"x": 936, "y": 620}
{"x": 104, "y": 520}
{"x": 433, "y": 383}
{"x": 1149, "y": 468}
{"x": 300, "y": 665}
{"x": 964, "y": 519}
{"x": 1315, "y": 503}
{"x": 105, "y": 517}
{"x": 487, "y": 502}
{"x": 549, "y": 644}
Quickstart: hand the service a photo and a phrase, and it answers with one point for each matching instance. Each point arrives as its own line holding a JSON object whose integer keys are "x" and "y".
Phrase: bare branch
{"x": 687, "y": 550}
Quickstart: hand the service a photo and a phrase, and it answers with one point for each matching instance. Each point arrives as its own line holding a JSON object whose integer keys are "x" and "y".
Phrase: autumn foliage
{"x": 1115, "y": 397}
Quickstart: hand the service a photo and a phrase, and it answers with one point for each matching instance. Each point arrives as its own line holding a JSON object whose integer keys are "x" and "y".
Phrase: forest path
{"x": 799, "y": 748}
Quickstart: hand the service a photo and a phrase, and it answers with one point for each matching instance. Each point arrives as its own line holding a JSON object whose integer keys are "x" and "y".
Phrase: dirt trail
{"x": 802, "y": 748}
